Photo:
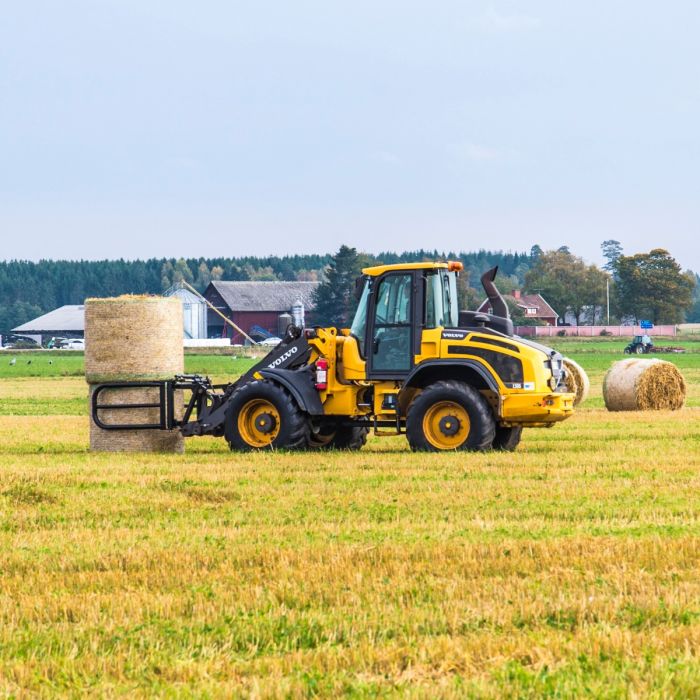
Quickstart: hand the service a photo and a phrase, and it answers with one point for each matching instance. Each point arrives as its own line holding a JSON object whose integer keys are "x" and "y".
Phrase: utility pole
{"x": 607, "y": 294}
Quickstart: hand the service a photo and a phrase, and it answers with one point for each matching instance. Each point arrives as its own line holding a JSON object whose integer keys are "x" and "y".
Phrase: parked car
{"x": 73, "y": 344}
{"x": 19, "y": 342}
{"x": 271, "y": 342}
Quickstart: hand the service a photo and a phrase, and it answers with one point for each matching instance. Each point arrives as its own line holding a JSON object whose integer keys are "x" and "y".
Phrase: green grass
{"x": 570, "y": 568}
{"x": 64, "y": 364}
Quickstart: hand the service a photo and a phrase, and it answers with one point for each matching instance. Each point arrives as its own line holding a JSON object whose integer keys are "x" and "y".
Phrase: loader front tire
{"x": 263, "y": 415}
{"x": 450, "y": 415}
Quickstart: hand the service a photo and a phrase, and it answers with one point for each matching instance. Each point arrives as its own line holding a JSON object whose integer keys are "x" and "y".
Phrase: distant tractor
{"x": 411, "y": 364}
{"x": 638, "y": 346}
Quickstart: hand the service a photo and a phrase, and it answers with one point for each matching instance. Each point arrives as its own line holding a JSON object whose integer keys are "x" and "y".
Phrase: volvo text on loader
{"x": 410, "y": 363}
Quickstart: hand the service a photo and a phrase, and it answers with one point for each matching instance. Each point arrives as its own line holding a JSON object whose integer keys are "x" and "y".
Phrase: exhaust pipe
{"x": 498, "y": 304}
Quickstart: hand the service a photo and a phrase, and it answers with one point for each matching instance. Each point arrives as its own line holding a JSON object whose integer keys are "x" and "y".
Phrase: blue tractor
{"x": 638, "y": 346}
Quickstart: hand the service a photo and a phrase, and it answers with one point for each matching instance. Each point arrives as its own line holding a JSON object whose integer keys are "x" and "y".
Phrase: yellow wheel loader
{"x": 410, "y": 363}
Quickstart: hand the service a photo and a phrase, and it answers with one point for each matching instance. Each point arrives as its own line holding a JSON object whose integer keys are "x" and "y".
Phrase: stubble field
{"x": 570, "y": 567}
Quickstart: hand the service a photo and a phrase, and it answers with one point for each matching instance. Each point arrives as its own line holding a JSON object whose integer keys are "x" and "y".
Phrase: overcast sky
{"x": 139, "y": 128}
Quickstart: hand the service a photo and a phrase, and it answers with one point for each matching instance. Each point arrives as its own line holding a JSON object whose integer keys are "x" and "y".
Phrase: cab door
{"x": 391, "y": 332}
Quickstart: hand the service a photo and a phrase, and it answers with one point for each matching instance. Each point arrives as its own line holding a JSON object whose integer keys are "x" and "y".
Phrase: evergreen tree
{"x": 166, "y": 275}
{"x": 612, "y": 250}
{"x": 203, "y": 277}
{"x": 335, "y": 300}
{"x": 181, "y": 271}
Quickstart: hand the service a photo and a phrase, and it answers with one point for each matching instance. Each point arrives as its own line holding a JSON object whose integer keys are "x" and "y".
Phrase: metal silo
{"x": 194, "y": 311}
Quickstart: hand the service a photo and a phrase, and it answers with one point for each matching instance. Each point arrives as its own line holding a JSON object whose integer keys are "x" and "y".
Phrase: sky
{"x": 149, "y": 128}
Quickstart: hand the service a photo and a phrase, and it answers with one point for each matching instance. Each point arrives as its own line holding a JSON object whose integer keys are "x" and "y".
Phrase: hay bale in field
{"x": 577, "y": 380}
{"x": 133, "y": 440}
{"x": 644, "y": 385}
{"x": 133, "y": 338}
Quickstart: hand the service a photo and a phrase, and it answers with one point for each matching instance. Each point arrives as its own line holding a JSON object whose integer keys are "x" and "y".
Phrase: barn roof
{"x": 264, "y": 296}
{"x": 66, "y": 318}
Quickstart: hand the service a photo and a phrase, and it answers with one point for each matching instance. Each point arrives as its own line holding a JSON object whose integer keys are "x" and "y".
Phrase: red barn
{"x": 254, "y": 306}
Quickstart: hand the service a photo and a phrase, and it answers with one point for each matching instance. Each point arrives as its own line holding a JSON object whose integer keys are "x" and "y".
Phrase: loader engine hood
{"x": 552, "y": 359}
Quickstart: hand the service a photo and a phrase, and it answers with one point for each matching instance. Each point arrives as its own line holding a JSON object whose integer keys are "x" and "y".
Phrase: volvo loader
{"x": 410, "y": 363}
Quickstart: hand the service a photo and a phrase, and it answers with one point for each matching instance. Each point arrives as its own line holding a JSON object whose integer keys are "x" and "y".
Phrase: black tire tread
{"x": 482, "y": 414}
{"x": 507, "y": 439}
{"x": 350, "y": 438}
{"x": 297, "y": 421}
{"x": 345, "y": 438}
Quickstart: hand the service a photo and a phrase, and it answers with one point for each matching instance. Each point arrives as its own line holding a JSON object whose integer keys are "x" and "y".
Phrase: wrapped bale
{"x": 577, "y": 380}
{"x": 644, "y": 385}
{"x": 133, "y": 338}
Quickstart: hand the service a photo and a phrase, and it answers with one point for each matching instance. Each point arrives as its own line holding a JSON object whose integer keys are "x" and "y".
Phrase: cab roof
{"x": 381, "y": 269}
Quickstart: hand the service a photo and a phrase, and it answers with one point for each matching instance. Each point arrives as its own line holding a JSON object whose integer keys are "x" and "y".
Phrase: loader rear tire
{"x": 450, "y": 415}
{"x": 350, "y": 438}
{"x": 263, "y": 415}
{"x": 507, "y": 439}
{"x": 342, "y": 437}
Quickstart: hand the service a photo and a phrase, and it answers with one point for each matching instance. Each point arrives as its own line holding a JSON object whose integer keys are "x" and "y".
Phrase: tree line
{"x": 644, "y": 285}
{"x": 29, "y": 289}
{"x": 626, "y": 289}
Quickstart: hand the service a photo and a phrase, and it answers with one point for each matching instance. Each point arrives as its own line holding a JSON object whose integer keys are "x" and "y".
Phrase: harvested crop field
{"x": 568, "y": 568}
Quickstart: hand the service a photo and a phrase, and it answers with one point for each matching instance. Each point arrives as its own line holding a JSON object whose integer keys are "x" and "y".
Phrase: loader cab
{"x": 395, "y": 304}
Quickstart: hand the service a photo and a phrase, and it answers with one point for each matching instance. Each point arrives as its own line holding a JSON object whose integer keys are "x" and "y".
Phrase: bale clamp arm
{"x": 203, "y": 397}
{"x": 205, "y": 410}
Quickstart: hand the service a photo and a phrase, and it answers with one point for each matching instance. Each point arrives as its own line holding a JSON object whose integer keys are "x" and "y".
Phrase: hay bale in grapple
{"x": 644, "y": 385}
{"x": 133, "y": 338}
{"x": 577, "y": 381}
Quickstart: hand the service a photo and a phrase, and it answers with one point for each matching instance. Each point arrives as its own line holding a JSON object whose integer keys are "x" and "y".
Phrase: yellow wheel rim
{"x": 446, "y": 425}
{"x": 259, "y": 423}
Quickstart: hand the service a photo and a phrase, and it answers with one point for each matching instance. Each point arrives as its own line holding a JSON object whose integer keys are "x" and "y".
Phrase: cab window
{"x": 391, "y": 345}
{"x": 441, "y": 300}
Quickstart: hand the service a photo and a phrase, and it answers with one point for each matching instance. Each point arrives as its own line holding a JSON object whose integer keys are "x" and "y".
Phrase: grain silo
{"x": 194, "y": 311}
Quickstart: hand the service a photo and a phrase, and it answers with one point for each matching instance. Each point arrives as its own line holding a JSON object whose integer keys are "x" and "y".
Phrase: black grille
{"x": 509, "y": 369}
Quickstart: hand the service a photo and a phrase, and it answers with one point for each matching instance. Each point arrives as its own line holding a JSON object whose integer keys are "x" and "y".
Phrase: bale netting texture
{"x": 644, "y": 385}
{"x": 133, "y": 440}
{"x": 131, "y": 338}
{"x": 577, "y": 380}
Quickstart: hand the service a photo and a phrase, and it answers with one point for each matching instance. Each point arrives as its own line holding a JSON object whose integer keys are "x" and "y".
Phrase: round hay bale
{"x": 577, "y": 380}
{"x": 644, "y": 385}
{"x": 132, "y": 338}
{"x": 133, "y": 440}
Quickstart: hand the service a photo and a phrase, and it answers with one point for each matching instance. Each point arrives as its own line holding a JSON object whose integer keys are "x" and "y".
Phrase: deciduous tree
{"x": 568, "y": 283}
{"x": 652, "y": 285}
